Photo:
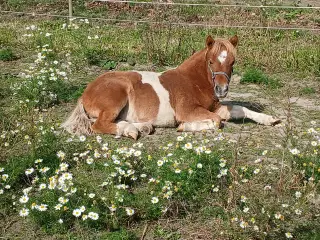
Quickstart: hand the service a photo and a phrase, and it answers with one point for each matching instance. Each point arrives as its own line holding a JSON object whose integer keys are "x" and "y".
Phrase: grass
{"x": 308, "y": 91}
{"x": 244, "y": 182}
{"x": 253, "y": 75}
{"x": 6, "y": 54}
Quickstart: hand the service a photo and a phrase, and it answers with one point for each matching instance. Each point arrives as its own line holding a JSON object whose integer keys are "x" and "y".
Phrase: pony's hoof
{"x": 271, "y": 121}
{"x": 146, "y": 130}
{"x": 133, "y": 135}
{"x": 180, "y": 128}
{"x": 276, "y": 122}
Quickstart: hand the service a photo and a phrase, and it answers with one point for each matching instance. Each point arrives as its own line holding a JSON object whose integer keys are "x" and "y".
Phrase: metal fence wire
{"x": 71, "y": 15}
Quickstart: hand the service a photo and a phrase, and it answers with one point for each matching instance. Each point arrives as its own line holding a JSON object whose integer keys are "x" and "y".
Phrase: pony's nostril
{"x": 226, "y": 88}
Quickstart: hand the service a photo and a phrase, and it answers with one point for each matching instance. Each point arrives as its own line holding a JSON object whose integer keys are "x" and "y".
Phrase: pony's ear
{"x": 234, "y": 40}
{"x": 209, "y": 42}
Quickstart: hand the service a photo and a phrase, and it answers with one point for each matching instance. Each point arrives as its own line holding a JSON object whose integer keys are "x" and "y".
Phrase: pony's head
{"x": 220, "y": 57}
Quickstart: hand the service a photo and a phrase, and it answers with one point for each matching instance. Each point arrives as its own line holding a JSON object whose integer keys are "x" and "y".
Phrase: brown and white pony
{"x": 126, "y": 103}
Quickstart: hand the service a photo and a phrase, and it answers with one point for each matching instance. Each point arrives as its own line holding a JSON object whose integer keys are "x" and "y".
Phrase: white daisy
{"x": 129, "y": 211}
{"x": 42, "y": 186}
{"x": 99, "y": 139}
{"x": 246, "y": 209}
{"x": 155, "y": 200}
{"x": 42, "y": 207}
{"x": 298, "y": 194}
{"x": 93, "y": 215}
{"x": 24, "y": 212}
{"x": 63, "y": 200}
{"x": 288, "y": 235}
{"x": 180, "y": 138}
{"x": 82, "y": 138}
{"x": 113, "y": 208}
{"x": 76, "y": 212}
{"x": 256, "y": 171}
{"x": 24, "y": 199}
{"x": 91, "y": 195}
{"x": 160, "y": 163}
{"x": 137, "y": 153}
{"x": 4, "y": 177}
{"x": 294, "y": 151}
{"x": 89, "y": 160}
{"x": 29, "y": 171}
{"x": 44, "y": 170}
{"x": 243, "y": 198}
{"x": 38, "y": 161}
{"x": 64, "y": 166}
{"x": 243, "y": 224}
{"x": 188, "y": 145}
{"x": 199, "y": 165}
{"x": 58, "y": 206}
{"x": 61, "y": 155}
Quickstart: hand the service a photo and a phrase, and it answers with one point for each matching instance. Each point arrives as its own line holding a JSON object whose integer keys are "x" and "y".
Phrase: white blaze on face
{"x": 166, "y": 114}
{"x": 223, "y": 56}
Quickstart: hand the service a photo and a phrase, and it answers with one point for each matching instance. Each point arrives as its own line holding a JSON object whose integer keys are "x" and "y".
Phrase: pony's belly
{"x": 165, "y": 118}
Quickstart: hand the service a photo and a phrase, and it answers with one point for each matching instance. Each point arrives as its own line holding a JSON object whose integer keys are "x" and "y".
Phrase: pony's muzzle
{"x": 221, "y": 91}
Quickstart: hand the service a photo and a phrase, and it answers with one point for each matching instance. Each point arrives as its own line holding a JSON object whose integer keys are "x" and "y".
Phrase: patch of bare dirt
{"x": 305, "y": 103}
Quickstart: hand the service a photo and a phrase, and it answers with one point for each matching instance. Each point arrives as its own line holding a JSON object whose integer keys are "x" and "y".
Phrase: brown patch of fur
{"x": 145, "y": 102}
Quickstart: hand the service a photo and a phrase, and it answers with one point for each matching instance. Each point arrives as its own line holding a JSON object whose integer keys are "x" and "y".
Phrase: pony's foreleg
{"x": 199, "y": 119}
{"x": 197, "y": 126}
{"x": 227, "y": 112}
{"x": 105, "y": 124}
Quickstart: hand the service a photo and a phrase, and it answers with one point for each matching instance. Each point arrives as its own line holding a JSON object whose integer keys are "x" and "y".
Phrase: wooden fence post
{"x": 70, "y": 9}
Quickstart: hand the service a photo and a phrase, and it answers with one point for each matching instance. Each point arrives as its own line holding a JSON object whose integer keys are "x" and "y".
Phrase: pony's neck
{"x": 196, "y": 67}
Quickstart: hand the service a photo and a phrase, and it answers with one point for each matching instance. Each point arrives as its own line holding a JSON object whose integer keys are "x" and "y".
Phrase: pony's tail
{"x": 78, "y": 122}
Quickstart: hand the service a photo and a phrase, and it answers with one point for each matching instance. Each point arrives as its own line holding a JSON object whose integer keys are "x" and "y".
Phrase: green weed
{"x": 6, "y": 54}
{"x": 166, "y": 234}
{"x": 253, "y": 75}
{"x": 307, "y": 91}
{"x": 108, "y": 65}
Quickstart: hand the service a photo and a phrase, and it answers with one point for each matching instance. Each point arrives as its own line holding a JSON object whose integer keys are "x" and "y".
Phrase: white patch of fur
{"x": 166, "y": 114}
{"x": 127, "y": 129}
{"x": 128, "y": 114}
{"x": 223, "y": 56}
{"x": 197, "y": 126}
